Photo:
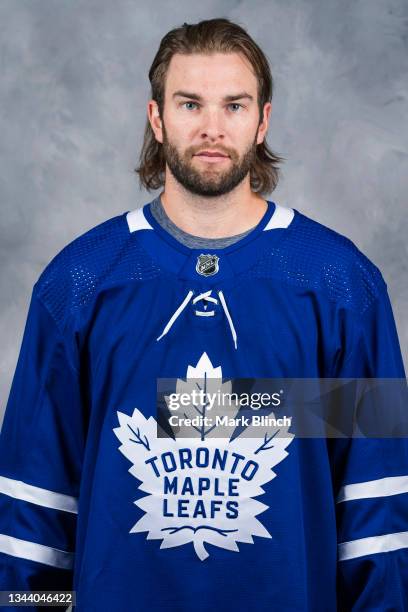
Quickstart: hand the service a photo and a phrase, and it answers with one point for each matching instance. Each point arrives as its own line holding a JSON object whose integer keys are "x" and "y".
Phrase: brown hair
{"x": 208, "y": 36}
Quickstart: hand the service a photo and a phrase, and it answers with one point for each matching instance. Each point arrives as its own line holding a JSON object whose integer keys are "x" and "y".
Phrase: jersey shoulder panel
{"x": 315, "y": 256}
{"x": 105, "y": 254}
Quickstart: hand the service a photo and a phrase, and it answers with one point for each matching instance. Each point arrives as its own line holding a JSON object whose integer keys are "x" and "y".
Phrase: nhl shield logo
{"x": 207, "y": 264}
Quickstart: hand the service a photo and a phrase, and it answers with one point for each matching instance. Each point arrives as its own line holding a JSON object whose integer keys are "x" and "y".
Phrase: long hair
{"x": 208, "y": 36}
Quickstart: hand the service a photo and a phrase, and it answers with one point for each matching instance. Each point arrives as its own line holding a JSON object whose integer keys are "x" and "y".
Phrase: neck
{"x": 213, "y": 217}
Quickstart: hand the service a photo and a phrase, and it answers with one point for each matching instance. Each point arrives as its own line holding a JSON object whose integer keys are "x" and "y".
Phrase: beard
{"x": 210, "y": 182}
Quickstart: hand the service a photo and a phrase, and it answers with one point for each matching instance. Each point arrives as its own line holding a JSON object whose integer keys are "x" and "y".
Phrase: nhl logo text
{"x": 207, "y": 264}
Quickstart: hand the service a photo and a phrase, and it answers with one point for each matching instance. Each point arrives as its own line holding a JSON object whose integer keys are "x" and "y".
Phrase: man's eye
{"x": 236, "y": 105}
{"x": 194, "y": 103}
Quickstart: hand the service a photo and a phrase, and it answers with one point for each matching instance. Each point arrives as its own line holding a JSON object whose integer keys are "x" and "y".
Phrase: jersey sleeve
{"x": 370, "y": 477}
{"x": 41, "y": 451}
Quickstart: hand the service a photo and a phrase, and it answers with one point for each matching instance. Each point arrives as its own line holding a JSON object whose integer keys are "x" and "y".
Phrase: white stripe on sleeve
{"x": 37, "y": 495}
{"x": 382, "y": 487}
{"x": 372, "y": 545}
{"x": 36, "y": 552}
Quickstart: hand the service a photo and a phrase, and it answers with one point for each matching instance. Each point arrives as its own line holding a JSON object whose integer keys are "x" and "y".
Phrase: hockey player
{"x": 207, "y": 283}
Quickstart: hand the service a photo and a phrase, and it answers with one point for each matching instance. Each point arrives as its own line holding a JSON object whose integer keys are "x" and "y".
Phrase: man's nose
{"x": 212, "y": 124}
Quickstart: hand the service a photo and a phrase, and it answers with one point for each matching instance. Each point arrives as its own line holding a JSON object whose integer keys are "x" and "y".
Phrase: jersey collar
{"x": 184, "y": 261}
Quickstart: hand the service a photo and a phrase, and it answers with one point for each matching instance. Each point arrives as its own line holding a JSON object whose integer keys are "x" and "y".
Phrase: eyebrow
{"x": 230, "y": 98}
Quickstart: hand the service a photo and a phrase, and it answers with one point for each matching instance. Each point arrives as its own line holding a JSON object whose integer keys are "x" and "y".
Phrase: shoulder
{"x": 100, "y": 256}
{"x": 314, "y": 256}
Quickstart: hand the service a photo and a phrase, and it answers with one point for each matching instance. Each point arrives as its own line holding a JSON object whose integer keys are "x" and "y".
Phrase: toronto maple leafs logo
{"x": 200, "y": 490}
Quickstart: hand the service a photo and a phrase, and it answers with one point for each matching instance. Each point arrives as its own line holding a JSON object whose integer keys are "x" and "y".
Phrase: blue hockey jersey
{"x": 93, "y": 500}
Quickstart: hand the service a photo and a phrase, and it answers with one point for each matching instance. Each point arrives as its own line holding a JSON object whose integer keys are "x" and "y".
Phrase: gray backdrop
{"x": 74, "y": 89}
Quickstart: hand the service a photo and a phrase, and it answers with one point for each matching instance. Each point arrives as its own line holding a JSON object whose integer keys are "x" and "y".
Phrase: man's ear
{"x": 263, "y": 126}
{"x": 153, "y": 114}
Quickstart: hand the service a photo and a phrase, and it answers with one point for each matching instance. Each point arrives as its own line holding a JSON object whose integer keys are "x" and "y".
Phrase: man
{"x": 207, "y": 283}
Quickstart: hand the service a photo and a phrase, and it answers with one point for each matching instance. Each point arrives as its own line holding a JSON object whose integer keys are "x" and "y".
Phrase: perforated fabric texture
{"x": 106, "y": 254}
{"x": 314, "y": 256}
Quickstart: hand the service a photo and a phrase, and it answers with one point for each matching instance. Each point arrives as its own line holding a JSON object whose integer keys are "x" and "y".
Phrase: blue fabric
{"x": 304, "y": 302}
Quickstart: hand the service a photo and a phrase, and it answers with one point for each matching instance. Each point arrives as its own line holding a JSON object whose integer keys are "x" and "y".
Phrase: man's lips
{"x": 212, "y": 155}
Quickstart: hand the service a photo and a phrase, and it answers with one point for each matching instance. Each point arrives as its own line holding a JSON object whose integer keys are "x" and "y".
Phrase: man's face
{"x": 210, "y": 107}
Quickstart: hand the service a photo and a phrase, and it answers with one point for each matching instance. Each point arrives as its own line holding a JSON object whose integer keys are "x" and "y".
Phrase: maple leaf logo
{"x": 207, "y": 379}
{"x": 200, "y": 490}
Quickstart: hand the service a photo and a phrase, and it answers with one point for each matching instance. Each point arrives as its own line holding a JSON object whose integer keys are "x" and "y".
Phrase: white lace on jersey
{"x": 206, "y": 297}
